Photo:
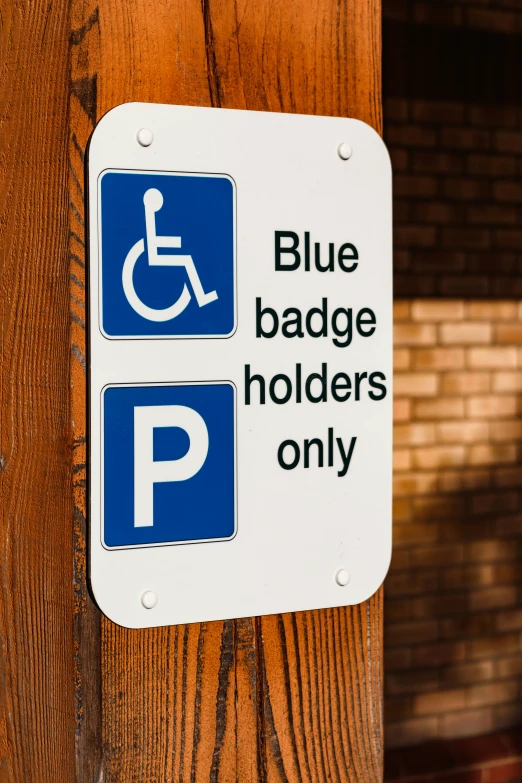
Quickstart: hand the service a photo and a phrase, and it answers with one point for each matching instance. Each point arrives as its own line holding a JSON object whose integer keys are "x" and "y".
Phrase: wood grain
{"x": 36, "y": 644}
{"x": 292, "y": 698}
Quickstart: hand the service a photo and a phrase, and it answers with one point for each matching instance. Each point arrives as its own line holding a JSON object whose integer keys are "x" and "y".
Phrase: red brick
{"x": 438, "y": 358}
{"x": 508, "y": 525}
{"x": 492, "y": 358}
{"x": 417, "y": 533}
{"x": 509, "y": 621}
{"x": 408, "y": 185}
{"x": 492, "y": 214}
{"x": 463, "y": 189}
{"x": 468, "y": 673}
{"x": 438, "y": 507}
{"x": 491, "y": 165}
{"x": 440, "y": 654}
{"x": 435, "y": 457}
{"x": 438, "y": 212}
{"x": 411, "y": 633}
{"x": 509, "y": 333}
{"x": 509, "y": 667}
{"x": 401, "y": 410}
{"x": 401, "y": 459}
{"x": 401, "y": 510}
{"x": 413, "y": 731}
{"x": 437, "y": 13}
{"x": 486, "y": 694}
{"x": 509, "y": 191}
{"x": 492, "y": 598}
{"x": 411, "y": 135}
{"x": 436, "y": 261}
{"x": 441, "y": 408}
{"x": 397, "y": 708}
{"x": 401, "y": 359}
{"x": 495, "y": 311}
{"x": 492, "y": 454}
{"x": 467, "y": 625}
{"x": 437, "y": 112}
{"x": 470, "y": 479}
{"x": 414, "y": 434}
{"x": 414, "y": 334}
{"x": 441, "y": 701}
{"x": 416, "y": 384}
{"x": 462, "y": 431}
{"x": 491, "y": 406}
{"x": 466, "y": 382}
{"x": 399, "y": 158}
{"x": 465, "y": 285}
{"x": 427, "y": 162}
{"x": 414, "y": 484}
{"x": 491, "y": 551}
{"x": 415, "y": 236}
{"x": 436, "y": 555}
{"x": 465, "y": 138}
{"x": 467, "y": 576}
{"x": 508, "y": 141}
{"x": 411, "y": 583}
{"x": 396, "y": 109}
{"x": 465, "y": 723}
{"x": 437, "y": 310}
{"x": 467, "y": 332}
{"x": 507, "y": 381}
{"x": 401, "y": 310}
{"x": 492, "y": 20}
{"x": 494, "y": 116}
{"x": 508, "y": 477}
{"x": 508, "y": 239}
{"x": 493, "y": 502}
{"x": 507, "y": 715}
{"x": 469, "y": 238}
{"x": 493, "y": 646}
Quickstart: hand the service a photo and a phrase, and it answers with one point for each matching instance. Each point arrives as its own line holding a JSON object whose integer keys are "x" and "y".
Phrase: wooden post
{"x": 284, "y": 698}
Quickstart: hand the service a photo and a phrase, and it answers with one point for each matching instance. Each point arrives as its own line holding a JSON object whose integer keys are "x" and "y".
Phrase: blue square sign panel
{"x": 168, "y": 464}
{"x": 167, "y": 255}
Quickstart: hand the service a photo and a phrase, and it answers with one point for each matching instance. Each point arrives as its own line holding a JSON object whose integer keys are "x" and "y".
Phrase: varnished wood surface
{"x": 36, "y": 642}
{"x": 283, "y": 698}
{"x": 288, "y": 698}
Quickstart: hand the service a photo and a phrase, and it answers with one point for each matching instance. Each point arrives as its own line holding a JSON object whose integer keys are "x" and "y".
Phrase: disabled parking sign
{"x": 167, "y": 255}
{"x": 168, "y": 464}
{"x": 239, "y": 363}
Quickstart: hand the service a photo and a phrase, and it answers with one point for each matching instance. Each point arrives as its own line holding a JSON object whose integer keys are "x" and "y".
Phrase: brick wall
{"x": 453, "y": 621}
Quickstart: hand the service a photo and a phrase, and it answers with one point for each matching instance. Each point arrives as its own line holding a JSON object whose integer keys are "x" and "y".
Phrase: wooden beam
{"x": 36, "y": 642}
{"x": 283, "y": 698}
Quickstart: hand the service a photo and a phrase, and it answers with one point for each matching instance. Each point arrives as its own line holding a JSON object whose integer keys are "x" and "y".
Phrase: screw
{"x": 145, "y": 137}
{"x": 342, "y": 577}
{"x": 344, "y": 150}
{"x": 149, "y": 600}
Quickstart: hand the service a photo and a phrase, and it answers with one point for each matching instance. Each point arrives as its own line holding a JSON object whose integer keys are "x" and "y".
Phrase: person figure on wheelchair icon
{"x": 153, "y": 202}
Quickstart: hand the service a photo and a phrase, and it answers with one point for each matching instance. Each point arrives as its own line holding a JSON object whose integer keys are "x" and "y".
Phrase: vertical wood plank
{"x": 286, "y": 698}
{"x": 36, "y": 653}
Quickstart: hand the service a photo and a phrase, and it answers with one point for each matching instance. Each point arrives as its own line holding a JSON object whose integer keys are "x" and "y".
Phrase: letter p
{"x": 147, "y": 472}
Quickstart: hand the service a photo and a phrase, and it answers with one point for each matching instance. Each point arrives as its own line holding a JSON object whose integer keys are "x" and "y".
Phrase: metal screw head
{"x": 342, "y": 577}
{"x": 149, "y": 600}
{"x": 344, "y": 150}
{"x": 145, "y": 137}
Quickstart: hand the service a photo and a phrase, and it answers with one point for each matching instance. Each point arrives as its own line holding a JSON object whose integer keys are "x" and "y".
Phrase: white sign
{"x": 240, "y": 363}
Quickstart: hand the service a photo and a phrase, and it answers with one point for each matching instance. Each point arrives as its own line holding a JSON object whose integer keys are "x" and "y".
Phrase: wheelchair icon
{"x": 153, "y": 202}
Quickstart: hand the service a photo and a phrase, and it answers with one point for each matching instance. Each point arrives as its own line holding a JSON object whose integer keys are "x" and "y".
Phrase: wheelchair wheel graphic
{"x": 150, "y": 313}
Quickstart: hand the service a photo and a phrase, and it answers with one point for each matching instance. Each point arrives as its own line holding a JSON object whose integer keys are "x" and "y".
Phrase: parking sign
{"x": 167, "y": 255}
{"x": 168, "y": 464}
{"x": 240, "y": 363}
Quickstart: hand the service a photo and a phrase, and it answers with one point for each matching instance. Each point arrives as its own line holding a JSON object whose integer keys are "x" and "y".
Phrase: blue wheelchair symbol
{"x": 149, "y": 288}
